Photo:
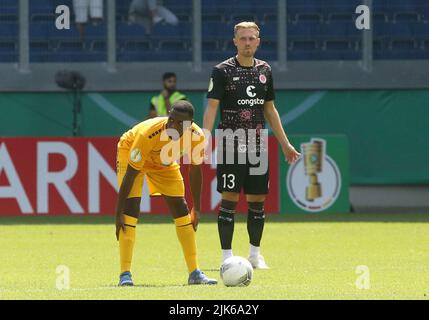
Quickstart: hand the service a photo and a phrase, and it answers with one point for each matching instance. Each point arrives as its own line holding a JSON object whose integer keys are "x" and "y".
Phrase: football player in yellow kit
{"x": 151, "y": 149}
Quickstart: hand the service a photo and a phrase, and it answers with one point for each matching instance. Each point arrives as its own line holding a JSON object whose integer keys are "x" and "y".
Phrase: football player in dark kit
{"x": 243, "y": 87}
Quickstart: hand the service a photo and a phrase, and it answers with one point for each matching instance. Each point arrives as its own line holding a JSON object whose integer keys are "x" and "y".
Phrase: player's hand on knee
{"x": 120, "y": 224}
{"x": 195, "y": 218}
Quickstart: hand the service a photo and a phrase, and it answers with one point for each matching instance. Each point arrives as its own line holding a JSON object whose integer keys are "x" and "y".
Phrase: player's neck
{"x": 245, "y": 61}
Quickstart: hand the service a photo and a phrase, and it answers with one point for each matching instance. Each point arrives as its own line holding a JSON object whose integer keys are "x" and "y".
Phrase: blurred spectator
{"x": 160, "y": 105}
{"x": 150, "y": 12}
{"x": 84, "y": 9}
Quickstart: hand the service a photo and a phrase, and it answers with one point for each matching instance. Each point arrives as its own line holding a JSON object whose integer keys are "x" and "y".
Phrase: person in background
{"x": 150, "y": 12}
{"x": 160, "y": 105}
{"x": 84, "y": 9}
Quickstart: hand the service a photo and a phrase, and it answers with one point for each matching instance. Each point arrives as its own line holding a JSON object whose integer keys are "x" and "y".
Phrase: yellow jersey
{"x": 148, "y": 145}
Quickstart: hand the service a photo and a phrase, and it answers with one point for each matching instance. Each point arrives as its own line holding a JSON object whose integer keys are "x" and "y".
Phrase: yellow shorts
{"x": 161, "y": 181}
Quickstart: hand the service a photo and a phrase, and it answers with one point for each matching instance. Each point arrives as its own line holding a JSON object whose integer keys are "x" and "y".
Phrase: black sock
{"x": 255, "y": 222}
{"x": 225, "y": 223}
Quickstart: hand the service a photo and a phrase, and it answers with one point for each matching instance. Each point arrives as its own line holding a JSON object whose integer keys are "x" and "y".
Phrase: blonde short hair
{"x": 246, "y": 25}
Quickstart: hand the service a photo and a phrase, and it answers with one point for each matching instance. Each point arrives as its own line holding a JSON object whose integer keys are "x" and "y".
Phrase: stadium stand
{"x": 316, "y": 30}
{"x": 8, "y": 31}
{"x": 48, "y": 44}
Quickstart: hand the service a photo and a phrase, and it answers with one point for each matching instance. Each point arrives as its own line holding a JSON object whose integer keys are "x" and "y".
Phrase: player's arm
{"x": 272, "y": 116}
{"x": 195, "y": 173}
{"x": 215, "y": 93}
{"x": 139, "y": 151}
{"x": 166, "y": 97}
{"x": 196, "y": 182}
{"x": 210, "y": 114}
{"x": 124, "y": 191}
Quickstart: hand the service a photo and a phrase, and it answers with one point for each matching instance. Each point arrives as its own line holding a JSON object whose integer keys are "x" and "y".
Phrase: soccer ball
{"x": 236, "y": 272}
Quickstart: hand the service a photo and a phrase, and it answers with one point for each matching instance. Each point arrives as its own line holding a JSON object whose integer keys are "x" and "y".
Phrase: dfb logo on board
{"x": 314, "y": 181}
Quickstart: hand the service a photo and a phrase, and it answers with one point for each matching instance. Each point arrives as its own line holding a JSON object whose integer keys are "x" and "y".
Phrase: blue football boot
{"x": 125, "y": 279}
{"x": 198, "y": 277}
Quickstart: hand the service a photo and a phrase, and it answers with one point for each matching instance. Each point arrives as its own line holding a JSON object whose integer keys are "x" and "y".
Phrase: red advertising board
{"x": 59, "y": 176}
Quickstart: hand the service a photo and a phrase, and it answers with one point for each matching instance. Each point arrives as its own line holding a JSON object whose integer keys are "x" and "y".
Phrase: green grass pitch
{"x": 311, "y": 257}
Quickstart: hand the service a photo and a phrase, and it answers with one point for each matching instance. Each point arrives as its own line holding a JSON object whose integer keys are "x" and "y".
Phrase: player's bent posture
{"x": 243, "y": 87}
{"x": 150, "y": 149}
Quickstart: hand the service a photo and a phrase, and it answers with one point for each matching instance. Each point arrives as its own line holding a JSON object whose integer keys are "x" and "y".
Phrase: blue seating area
{"x": 219, "y": 18}
{"x": 316, "y": 30}
{"x": 48, "y": 44}
{"x": 8, "y": 31}
{"x": 325, "y": 30}
{"x": 165, "y": 43}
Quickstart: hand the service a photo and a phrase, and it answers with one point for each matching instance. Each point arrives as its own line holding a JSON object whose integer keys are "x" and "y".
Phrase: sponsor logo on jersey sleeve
{"x": 135, "y": 155}
{"x": 210, "y": 85}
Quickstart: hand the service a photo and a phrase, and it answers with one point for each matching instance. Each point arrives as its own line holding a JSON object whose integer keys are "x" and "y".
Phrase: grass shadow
{"x": 211, "y": 270}
{"x": 148, "y": 286}
{"x": 160, "y": 285}
{"x": 212, "y": 218}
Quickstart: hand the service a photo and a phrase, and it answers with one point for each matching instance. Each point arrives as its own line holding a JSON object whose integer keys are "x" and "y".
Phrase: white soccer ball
{"x": 236, "y": 272}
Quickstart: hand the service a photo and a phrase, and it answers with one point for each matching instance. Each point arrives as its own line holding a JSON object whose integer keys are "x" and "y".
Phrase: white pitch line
{"x": 111, "y": 109}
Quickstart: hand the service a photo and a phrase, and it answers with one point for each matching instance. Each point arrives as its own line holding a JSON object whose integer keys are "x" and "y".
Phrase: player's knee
{"x": 230, "y": 196}
{"x": 182, "y": 208}
{"x": 178, "y": 206}
{"x": 226, "y": 211}
{"x": 255, "y": 198}
{"x": 256, "y": 210}
{"x": 132, "y": 207}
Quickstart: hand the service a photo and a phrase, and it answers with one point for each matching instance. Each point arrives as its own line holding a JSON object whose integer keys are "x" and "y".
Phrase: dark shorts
{"x": 235, "y": 177}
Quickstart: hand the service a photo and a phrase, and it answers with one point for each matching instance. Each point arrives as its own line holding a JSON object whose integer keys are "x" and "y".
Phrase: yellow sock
{"x": 126, "y": 242}
{"x": 186, "y": 234}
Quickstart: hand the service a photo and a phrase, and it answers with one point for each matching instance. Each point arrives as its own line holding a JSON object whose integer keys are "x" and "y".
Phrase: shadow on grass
{"x": 152, "y": 286}
{"x": 211, "y": 270}
{"x": 212, "y": 218}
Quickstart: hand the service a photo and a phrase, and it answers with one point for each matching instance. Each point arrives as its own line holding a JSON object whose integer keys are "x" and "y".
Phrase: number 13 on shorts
{"x": 232, "y": 178}
{"x": 228, "y": 180}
